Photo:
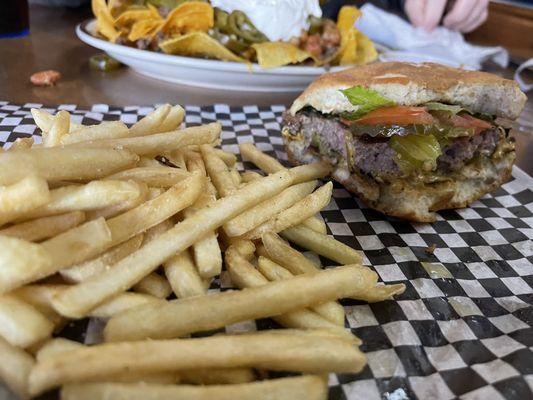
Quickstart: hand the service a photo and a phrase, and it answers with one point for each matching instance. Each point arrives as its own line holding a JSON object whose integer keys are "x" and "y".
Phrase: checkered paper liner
{"x": 464, "y": 326}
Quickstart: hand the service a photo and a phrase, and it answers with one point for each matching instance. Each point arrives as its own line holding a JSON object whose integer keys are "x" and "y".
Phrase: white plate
{"x": 204, "y": 73}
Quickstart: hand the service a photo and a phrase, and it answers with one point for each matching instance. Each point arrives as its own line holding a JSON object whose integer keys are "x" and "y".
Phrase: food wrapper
{"x": 462, "y": 329}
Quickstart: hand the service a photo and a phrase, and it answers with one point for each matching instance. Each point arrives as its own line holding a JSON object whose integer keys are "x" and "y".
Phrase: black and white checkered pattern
{"x": 464, "y": 326}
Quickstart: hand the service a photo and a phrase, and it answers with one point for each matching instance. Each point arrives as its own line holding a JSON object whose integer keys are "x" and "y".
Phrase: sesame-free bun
{"x": 415, "y": 84}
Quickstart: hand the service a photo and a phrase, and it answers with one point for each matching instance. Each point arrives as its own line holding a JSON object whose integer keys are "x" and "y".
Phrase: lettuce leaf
{"x": 367, "y": 100}
{"x": 435, "y": 106}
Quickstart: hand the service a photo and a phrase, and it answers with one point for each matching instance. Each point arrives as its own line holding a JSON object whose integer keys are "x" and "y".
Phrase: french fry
{"x": 316, "y": 224}
{"x": 18, "y": 256}
{"x": 40, "y": 297}
{"x": 244, "y": 275}
{"x": 309, "y": 172}
{"x": 21, "y": 144}
{"x": 154, "y": 285}
{"x": 298, "y": 212}
{"x": 251, "y": 153}
{"x": 176, "y": 157}
{"x": 56, "y": 346}
{"x": 205, "y": 313}
{"x": 207, "y": 256}
{"x": 173, "y": 119}
{"x": 60, "y": 127}
{"x": 121, "y": 303}
{"x": 295, "y": 388}
{"x": 276, "y": 351}
{"x": 21, "y": 324}
{"x": 382, "y": 292}
{"x": 157, "y": 230}
{"x": 115, "y": 210}
{"x": 44, "y": 228}
{"x": 266, "y": 210}
{"x": 322, "y": 244}
{"x": 148, "y": 162}
{"x": 15, "y": 368}
{"x": 104, "y": 130}
{"x": 183, "y": 276}
{"x": 87, "y": 269}
{"x": 23, "y": 262}
{"x": 63, "y": 164}
{"x": 270, "y": 165}
{"x": 161, "y": 176}
{"x": 249, "y": 176}
{"x": 206, "y": 251}
{"x": 194, "y": 162}
{"x": 218, "y": 171}
{"x": 159, "y": 142}
{"x": 157, "y": 210}
{"x": 229, "y": 158}
{"x": 79, "y": 299}
{"x": 245, "y": 248}
{"x": 212, "y": 376}
{"x": 45, "y": 120}
{"x": 295, "y": 262}
{"x": 151, "y": 123}
{"x": 283, "y": 254}
{"x": 89, "y": 240}
{"x": 235, "y": 176}
{"x": 332, "y": 310}
{"x": 22, "y": 197}
{"x": 91, "y": 196}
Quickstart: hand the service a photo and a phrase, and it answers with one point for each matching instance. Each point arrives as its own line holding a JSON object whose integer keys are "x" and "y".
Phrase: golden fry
{"x": 295, "y": 388}
{"x": 79, "y": 299}
{"x": 205, "y": 313}
{"x": 322, "y": 244}
{"x": 293, "y": 352}
{"x": 44, "y": 228}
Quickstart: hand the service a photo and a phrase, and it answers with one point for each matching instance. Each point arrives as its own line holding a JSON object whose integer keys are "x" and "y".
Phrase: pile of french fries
{"x": 132, "y": 225}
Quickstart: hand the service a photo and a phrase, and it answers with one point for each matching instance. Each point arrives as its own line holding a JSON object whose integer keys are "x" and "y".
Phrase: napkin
{"x": 526, "y": 87}
{"x": 404, "y": 42}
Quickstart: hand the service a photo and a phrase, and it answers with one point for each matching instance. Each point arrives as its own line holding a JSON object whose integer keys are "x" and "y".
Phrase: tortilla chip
{"x": 144, "y": 29}
{"x": 104, "y": 21}
{"x": 355, "y": 47}
{"x": 191, "y": 16}
{"x": 366, "y": 51}
{"x": 347, "y": 17}
{"x": 198, "y": 44}
{"x": 131, "y": 16}
{"x": 277, "y": 54}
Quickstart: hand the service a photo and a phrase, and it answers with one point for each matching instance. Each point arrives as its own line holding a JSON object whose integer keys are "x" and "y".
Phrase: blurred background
{"x": 40, "y": 35}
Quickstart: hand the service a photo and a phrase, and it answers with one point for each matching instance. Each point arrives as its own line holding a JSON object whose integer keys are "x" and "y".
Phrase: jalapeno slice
{"x": 241, "y": 26}
{"x": 102, "y": 62}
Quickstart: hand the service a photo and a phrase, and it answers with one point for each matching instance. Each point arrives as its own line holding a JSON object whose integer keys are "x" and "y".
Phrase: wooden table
{"x": 53, "y": 44}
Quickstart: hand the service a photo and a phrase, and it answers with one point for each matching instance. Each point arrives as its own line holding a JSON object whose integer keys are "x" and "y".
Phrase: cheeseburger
{"x": 408, "y": 139}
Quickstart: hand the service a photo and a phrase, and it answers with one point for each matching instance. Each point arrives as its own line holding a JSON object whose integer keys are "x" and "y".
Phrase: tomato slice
{"x": 468, "y": 121}
{"x": 398, "y": 115}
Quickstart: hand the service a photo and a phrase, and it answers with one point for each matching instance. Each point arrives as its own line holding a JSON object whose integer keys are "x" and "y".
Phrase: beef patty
{"x": 373, "y": 155}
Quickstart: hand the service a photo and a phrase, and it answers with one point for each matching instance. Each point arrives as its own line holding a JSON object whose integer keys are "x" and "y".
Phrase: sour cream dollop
{"x": 277, "y": 19}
